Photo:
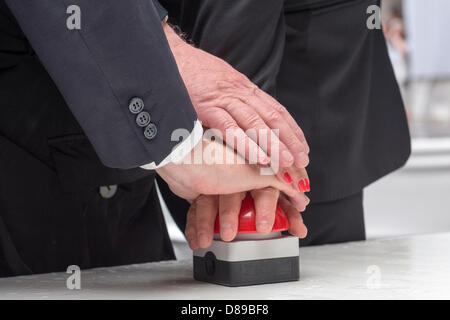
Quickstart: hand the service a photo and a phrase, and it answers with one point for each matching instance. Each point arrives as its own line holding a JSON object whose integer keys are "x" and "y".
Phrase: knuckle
{"x": 292, "y": 142}
{"x": 254, "y": 120}
{"x": 227, "y": 214}
{"x": 300, "y": 132}
{"x": 279, "y": 108}
{"x": 266, "y": 216}
{"x": 294, "y": 217}
{"x": 273, "y": 116}
{"x": 190, "y": 234}
{"x": 204, "y": 199}
{"x": 228, "y": 124}
{"x": 236, "y": 81}
{"x": 242, "y": 78}
{"x": 269, "y": 191}
{"x": 189, "y": 231}
{"x": 224, "y": 84}
{"x": 202, "y": 227}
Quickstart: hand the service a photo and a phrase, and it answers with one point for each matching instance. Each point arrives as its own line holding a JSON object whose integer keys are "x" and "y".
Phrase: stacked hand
{"x": 203, "y": 212}
{"x": 220, "y": 188}
{"x": 230, "y": 103}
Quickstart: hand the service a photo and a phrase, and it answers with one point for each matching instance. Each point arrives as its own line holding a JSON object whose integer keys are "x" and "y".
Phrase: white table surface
{"x": 416, "y": 267}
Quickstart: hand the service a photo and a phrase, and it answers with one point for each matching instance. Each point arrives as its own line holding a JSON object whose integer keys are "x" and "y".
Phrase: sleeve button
{"x": 143, "y": 119}
{"x": 136, "y": 105}
{"x": 150, "y": 131}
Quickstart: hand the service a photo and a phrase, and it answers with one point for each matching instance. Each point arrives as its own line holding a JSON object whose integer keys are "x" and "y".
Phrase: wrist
{"x": 175, "y": 41}
{"x": 181, "y": 50}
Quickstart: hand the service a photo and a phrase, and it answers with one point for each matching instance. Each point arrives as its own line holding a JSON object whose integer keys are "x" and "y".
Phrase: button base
{"x": 245, "y": 273}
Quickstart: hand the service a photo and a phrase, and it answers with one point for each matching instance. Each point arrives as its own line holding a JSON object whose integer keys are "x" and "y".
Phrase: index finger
{"x": 206, "y": 212}
{"x": 265, "y": 206}
{"x": 229, "y": 208}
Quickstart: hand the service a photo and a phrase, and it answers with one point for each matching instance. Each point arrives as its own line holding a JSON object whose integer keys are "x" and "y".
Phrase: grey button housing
{"x": 136, "y": 105}
{"x": 150, "y": 131}
{"x": 143, "y": 119}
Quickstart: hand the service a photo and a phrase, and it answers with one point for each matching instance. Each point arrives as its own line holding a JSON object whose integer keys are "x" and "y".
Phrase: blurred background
{"x": 415, "y": 199}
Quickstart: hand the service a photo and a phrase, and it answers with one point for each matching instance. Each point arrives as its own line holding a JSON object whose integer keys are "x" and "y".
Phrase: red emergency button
{"x": 247, "y": 218}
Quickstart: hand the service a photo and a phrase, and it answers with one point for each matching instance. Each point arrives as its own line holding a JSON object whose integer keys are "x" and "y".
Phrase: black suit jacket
{"x": 52, "y": 213}
{"x": 119, "y": 53}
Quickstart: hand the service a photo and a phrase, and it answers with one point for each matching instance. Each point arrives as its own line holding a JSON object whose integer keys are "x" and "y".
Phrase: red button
{"x": 247, "y": 218}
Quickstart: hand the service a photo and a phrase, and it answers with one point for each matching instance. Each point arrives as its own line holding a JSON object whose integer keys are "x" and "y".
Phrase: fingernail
{"x": 287, "y": 156}
{"x": 226, "y": 231}
{"x": 287, "y": 178}
{"x": 263, "y": 226}
{"x": 302, "y": 186}
{"x": 307, "y": 184}
{"x": 305, "y": 234}
{"x": 302, "y": 160}
{"x": 193, "y": 244}
{"x": 203, "y": 239}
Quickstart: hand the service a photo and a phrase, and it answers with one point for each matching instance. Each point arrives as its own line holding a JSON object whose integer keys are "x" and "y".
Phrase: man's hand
{"x": 203, "y": 211}
{"x": 227, "y": 100}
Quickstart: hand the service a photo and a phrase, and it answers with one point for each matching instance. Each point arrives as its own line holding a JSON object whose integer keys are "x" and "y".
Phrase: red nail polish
{"x": 287, "y": 178}
{"x": 307, "y": 185}
{"x": 301, "y": 186}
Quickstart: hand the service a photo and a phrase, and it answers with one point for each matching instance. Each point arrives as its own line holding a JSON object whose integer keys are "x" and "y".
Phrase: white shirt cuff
{"x": 182, "y": 149}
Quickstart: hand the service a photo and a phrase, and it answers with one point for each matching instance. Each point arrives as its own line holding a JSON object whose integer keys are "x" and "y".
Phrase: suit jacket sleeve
{"x": 119, "y": 53}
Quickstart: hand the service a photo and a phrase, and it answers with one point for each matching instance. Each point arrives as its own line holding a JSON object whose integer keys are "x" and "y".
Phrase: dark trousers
{"x": 49, "y": 221}
{"x": 335, "y": 221}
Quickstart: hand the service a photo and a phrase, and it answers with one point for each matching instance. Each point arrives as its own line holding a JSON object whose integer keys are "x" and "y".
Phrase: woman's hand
{"x": 212, "y": 168}
{"x": 203, "y": 211}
